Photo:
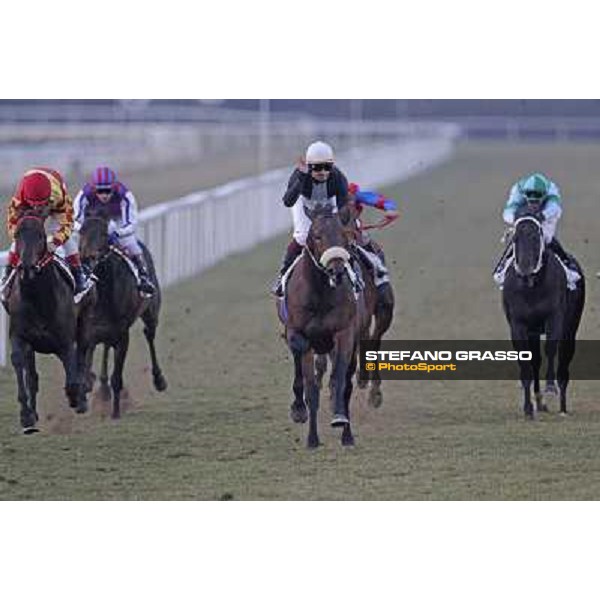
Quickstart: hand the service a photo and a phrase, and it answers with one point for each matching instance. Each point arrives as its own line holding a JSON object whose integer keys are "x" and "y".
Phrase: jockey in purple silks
{"x": 106, "y": 191}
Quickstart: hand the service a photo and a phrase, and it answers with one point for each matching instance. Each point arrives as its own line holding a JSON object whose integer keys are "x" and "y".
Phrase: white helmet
{"x": 319, "y": 152}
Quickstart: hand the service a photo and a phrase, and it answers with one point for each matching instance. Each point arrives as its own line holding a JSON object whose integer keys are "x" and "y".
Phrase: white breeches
{"x": 129, "y": 243}
{"x": 301, "y": 223}
{"x": 549, "y": 227}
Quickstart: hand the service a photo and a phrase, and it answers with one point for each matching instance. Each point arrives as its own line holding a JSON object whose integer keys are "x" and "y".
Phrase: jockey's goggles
{"x": 321, "y": 167}
{"x": 534, "y": 195}
{"x": 104, "y": 190}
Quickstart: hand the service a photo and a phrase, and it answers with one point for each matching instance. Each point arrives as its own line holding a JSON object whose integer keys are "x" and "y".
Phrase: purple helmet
{"x": 104, "y": 178}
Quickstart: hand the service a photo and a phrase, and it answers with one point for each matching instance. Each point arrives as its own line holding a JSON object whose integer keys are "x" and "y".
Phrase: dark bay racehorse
{"x": 379, "y": 302}
{"x": 118, "y": 306}
{"x": 43, "y": 318}
{"x": 323, "y": 317}
{"x": 536, "y": 300}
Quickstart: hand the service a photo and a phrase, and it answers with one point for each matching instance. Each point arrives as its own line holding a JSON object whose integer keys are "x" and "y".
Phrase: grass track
{"x": 222, "y": 429}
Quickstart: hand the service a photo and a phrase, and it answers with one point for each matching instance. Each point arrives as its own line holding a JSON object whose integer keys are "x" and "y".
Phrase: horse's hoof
{"x": 347, "y": 440}
{"x": 339, "y": 420}
{"x": 564, "y": 413}
{"x": 551, "y": 389}
{"x": 298, "y": 414}
{"x": 31, "y": 429}
{"x": 160, "y": 383}
{"x": 375, "y": 398}
{"x": 116, "y": 415}
{"x": 312, "y": 442}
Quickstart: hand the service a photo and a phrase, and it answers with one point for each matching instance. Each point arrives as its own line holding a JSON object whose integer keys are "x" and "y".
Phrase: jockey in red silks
{"x": 105, "y": 190}
{"x": 43, "y": 191}
{"x": 358, "y": 199}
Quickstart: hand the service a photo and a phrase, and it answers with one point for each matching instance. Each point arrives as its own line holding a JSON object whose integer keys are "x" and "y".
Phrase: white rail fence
{"x": 189, "y": 235}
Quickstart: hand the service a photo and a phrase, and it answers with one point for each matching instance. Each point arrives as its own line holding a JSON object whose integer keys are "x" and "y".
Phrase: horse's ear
{"x": 345, "y": 214}
{"x": 310, "y": 213}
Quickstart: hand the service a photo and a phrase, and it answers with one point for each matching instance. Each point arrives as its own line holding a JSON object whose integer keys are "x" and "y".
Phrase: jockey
{"x": 536, "y": 188}
{"x": 105, "y": 190}
{"x": 44, "y": 190}
{"x": 358, "y": 199}
{"x": 315, "y": 181}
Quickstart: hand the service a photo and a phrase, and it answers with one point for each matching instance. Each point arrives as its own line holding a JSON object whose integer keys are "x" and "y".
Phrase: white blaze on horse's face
{"x": 528, "y": 265}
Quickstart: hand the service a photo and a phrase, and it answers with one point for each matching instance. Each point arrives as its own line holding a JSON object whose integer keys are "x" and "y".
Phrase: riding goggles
{"x": 321, "y": 167}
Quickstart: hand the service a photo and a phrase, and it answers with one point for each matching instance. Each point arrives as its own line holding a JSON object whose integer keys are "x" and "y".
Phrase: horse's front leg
{"x": 344, "y": 345}
{"x": 298, "y": 410}
{"x": 68, "y": 358}
{"x": 520, "y": 342}
{"x": 312, "y": 395}
{"x": 20, "y": 358}
{"x": 347, "y": 437}
{"x": 104, "y": 387}
{"x": 534, "y": 346}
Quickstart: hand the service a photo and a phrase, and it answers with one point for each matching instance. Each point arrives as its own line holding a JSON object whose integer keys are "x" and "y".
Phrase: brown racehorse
{"x": 378, "y": 302}
{"x": 323, "y": 316}
{"x": 43, "y": 319}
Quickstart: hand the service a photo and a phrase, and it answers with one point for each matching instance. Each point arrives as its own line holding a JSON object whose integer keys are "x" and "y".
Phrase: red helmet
{"x": 35, "y": 188}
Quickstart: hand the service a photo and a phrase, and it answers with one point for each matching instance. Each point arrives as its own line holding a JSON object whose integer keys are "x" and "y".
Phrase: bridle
{"x": 539, "y": 263}
{"x": 327, "y": 256}
{"x": 106, "y": 253}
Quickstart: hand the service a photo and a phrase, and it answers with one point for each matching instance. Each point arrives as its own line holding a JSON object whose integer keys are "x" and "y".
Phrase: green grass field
{"x": 222, "y": 429}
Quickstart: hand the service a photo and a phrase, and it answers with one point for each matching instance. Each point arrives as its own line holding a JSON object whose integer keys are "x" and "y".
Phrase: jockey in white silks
{"x": 537, "y": 188}
{"x": 316, "y": 181}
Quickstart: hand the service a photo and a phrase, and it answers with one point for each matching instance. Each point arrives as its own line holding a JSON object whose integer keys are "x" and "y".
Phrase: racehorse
{"x": 43, "y": 318}
{"x": 536, "y": 300}
{"x": 323, "y": 317}
{"x": 118, "y": 306}
{"x": 378, "y": 302}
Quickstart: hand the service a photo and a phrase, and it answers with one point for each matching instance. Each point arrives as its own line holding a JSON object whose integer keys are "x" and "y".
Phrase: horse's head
{"x": 93, "y": 236}
{"x": 327, "y": 242}
{"x": 528, "y": 242}
{"x": 30, "y": 241}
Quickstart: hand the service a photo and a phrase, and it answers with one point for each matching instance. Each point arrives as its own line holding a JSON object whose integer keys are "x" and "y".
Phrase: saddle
{"x": 130, "y": 264}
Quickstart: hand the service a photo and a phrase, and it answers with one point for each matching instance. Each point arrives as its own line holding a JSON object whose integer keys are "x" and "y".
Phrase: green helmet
{"x": 535, "y": 187}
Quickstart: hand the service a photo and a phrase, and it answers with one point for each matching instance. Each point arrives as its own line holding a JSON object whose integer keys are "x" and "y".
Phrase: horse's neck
{"x": 116, "y": 282}
{"x": 43, "y": 289}
{"x": 315, "y": 275}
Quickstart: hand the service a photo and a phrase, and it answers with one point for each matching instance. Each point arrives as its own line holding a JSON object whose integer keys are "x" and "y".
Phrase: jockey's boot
{"x": 146, "y": 286}
{"x": 573, "y": 275}
{"x": 81, "y": 281}
{"x": 557, "y": 248}
{"x": 292, "y": 252}
{"x": 357, "y": 280}
{"x": 7, "y": 272}
{"x": 499, "y": 273}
